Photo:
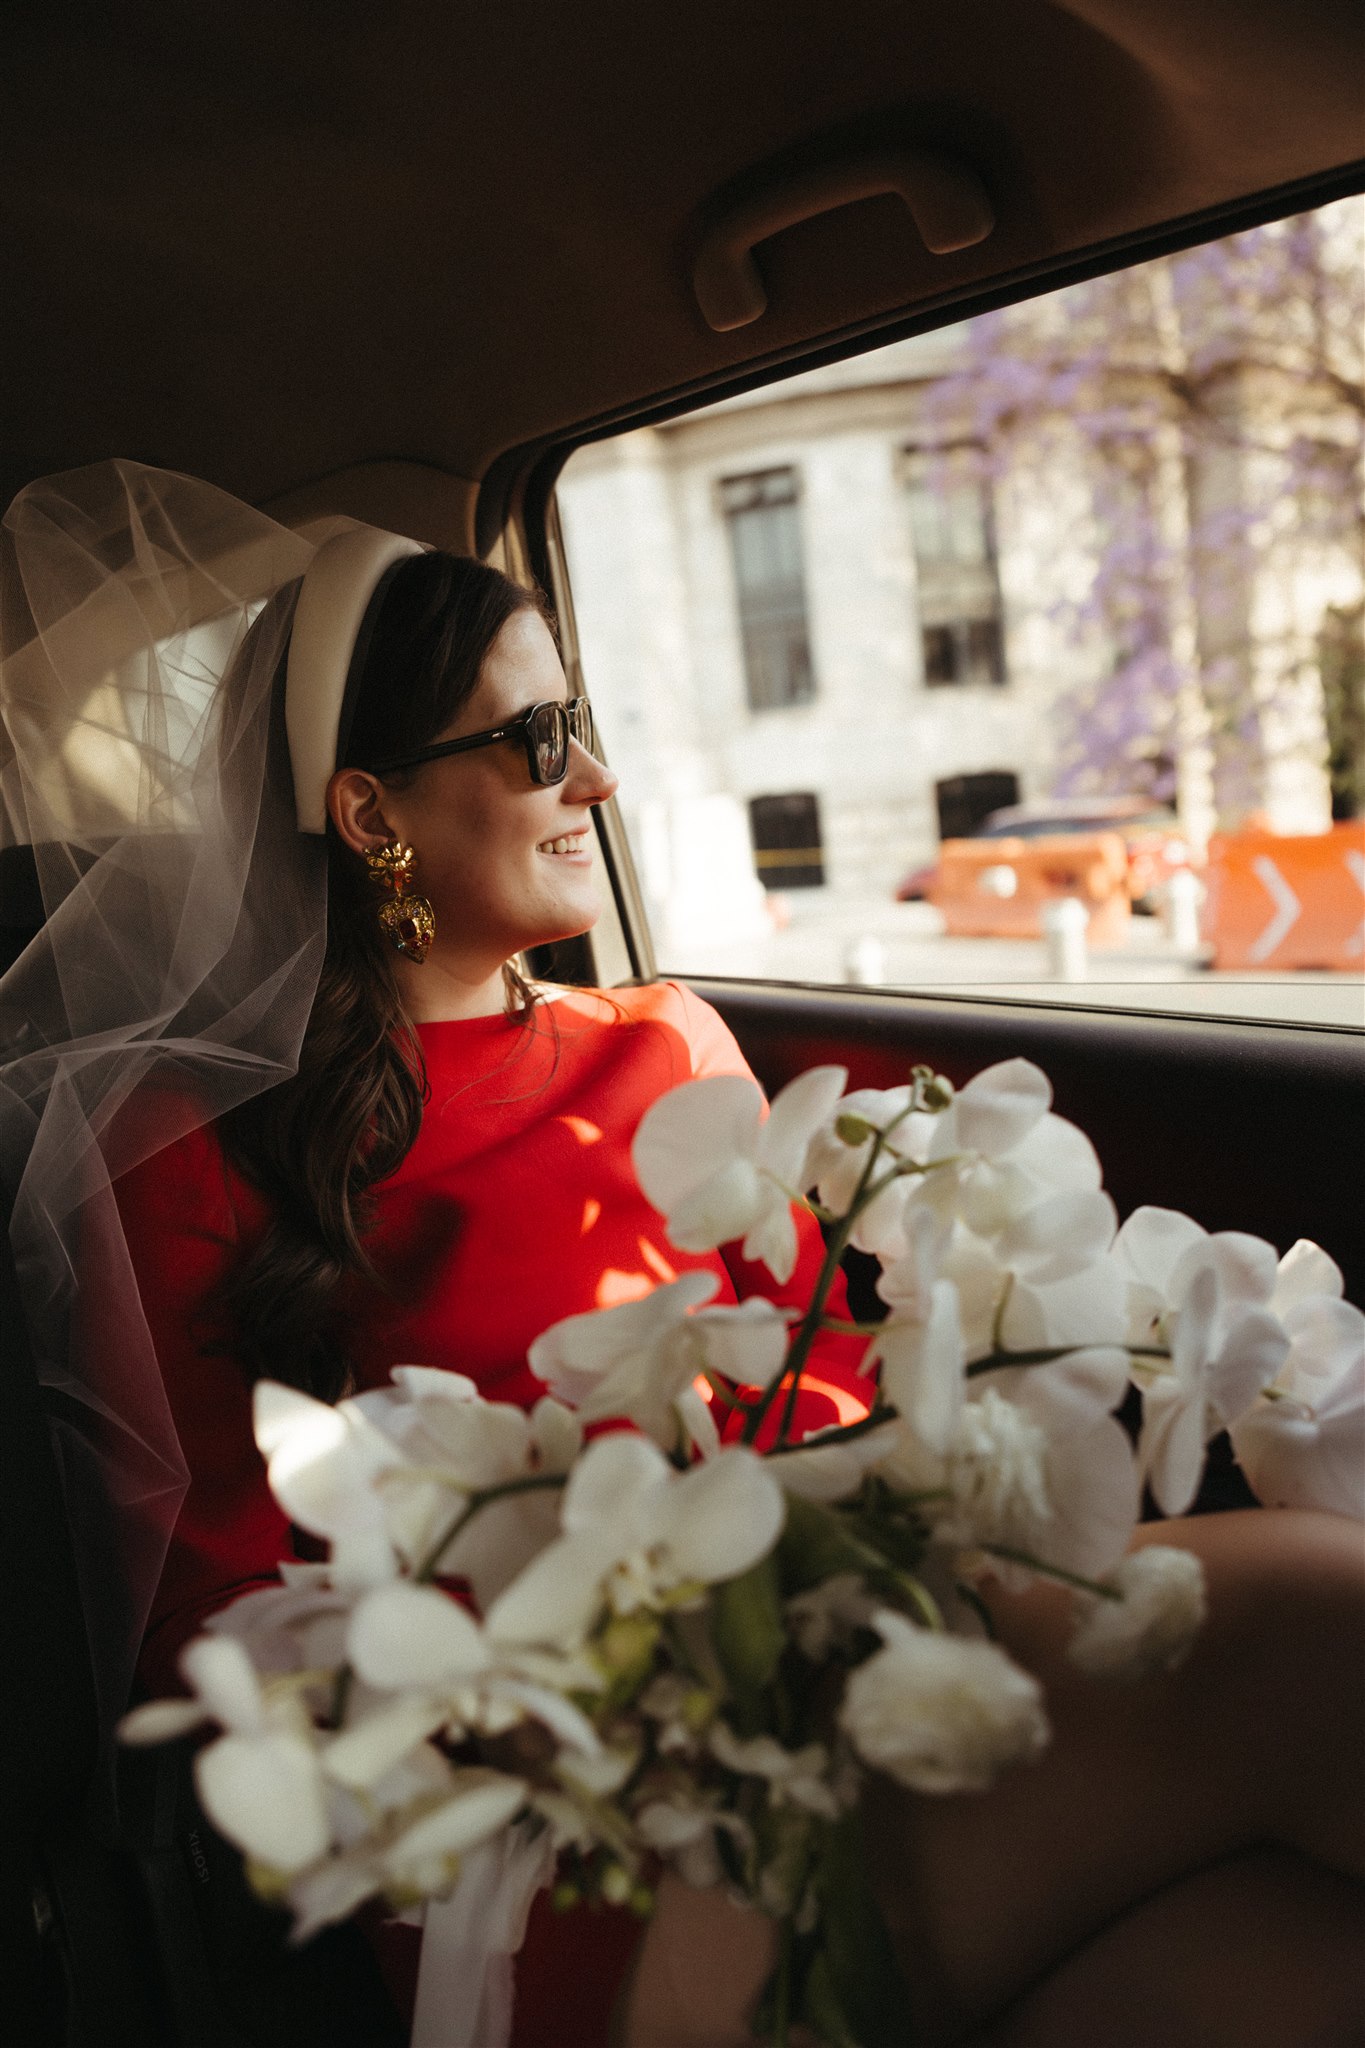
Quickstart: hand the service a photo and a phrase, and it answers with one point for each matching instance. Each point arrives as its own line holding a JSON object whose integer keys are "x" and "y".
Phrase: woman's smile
{"x": 571, "y": 846}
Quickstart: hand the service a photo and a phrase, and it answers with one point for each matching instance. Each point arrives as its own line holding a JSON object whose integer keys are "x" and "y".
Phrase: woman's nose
{"x": 589, "y": 781}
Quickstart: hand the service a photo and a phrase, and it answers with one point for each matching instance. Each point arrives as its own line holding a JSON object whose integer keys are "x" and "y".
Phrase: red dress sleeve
{"x": 186, "y": 1223}
{"x": 832, "y": 1390}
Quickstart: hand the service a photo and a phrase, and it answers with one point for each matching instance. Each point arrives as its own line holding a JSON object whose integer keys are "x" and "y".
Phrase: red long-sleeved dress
{"x": 516, "y": 1206}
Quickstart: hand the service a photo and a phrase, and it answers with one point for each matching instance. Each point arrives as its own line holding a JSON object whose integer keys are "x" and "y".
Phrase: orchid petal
{"x": 1059, "y": 1235}
{"x": 224, "y": 1677}
{"x": 484, "y": 1802}
{"x": 321, "y": 1897}
{"x": 719, "y": 1211}
{"x": 1325, "y": 1337}
{"x": 611, "y": 1481}
{"x": 366, "y": 1751}
{"x": 559, "y": 1595}
{"x": 719, "y": 1518}
{"x": 998, "y": 1107}
{"x": 1305, "y": 1271}
{"x": 1057, "y": 1154}
{"x": 413, "y": 1635}
{"x": 1087, "y": 1308}
{"x": 161, "y": 1721}
{"x": 265, "y": 1794}
{"x": 797, "y": 1112}
{"x": 923, "y": 1366}
{"x": 1171, "y": 1448}
{"x": 1152, "y": 1242}
{"x": 684, "y": 1136}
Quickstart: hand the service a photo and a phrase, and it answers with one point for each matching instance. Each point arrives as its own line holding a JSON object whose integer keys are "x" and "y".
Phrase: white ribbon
{"x": 464, "y": 1981}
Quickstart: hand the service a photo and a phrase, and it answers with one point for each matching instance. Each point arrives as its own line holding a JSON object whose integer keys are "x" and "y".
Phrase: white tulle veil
{"x": 144, "y": 777}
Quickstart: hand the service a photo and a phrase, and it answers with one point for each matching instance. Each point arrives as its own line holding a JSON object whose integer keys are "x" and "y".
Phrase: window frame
{"x": 516, "y": 510}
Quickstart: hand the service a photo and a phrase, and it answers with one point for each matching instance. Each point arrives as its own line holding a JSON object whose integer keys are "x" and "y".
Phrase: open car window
{"x": 1024, "y": 652}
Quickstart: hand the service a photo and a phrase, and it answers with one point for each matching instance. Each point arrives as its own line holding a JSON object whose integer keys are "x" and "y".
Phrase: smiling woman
{"x": 446, "y": 1170}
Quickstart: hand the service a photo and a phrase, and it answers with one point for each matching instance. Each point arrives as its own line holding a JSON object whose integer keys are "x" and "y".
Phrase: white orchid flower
{"x": 261, "y": 1782}
{"x": 454, "y": 1443}
{"x": 1223, "y": 1352}
{"x": 324, "y": 1464}
{"x": 941, "y": 1713}
{"x": 1306, "y": 1449}
{"x": 428, "y": 1664}
{"x": 721, "y": 1172}
{"x": 1002, "y": 1150}
{"x": 641, "y": 1361}
{"x": 636, "y": 1533}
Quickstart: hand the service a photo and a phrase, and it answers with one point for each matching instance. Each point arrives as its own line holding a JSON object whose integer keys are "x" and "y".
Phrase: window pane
{"x": 765, "y": 542}
{"x": 1084, "y": 570}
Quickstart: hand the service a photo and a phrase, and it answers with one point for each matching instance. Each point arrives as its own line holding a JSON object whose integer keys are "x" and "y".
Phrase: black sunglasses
{"x": 544, "y": 729}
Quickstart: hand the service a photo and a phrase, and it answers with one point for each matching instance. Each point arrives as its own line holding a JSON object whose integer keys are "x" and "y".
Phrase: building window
{"x": 966, "y": 801}
{"x": 959, "y": 588}
{"x": 788, "y": 853}
{"x": 764, "y": 519}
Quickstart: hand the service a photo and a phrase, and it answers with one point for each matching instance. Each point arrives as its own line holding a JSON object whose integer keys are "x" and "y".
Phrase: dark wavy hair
{"x": 318, "y": 1143}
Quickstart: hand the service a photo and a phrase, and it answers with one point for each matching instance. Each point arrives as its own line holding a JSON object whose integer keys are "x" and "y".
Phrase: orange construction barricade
{"x": 1281, "y": 901}
{"x": 999, "y": 888}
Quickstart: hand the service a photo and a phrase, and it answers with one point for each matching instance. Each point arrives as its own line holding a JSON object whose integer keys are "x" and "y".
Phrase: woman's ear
{"x": 355, "y": 804}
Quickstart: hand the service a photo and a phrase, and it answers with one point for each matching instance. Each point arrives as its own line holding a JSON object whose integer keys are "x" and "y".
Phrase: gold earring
{"x": 406, "y": 919}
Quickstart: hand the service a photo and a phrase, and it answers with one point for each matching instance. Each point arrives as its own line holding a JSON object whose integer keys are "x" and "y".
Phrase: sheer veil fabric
{"x": 144, "y": 617}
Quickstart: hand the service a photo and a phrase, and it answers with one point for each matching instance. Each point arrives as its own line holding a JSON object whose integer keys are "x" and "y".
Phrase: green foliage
{"x": 749, "y": 1636}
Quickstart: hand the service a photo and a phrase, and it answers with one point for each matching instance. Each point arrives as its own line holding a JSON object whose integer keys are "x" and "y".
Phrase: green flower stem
{"x": 845, "y": 1434}
{"x": 537, "y": 1482}
{"x": 341, "y": 1693}
{"x": 1051, "y": 1571}
{"x": 995, "y": 1360}
{"x": 864, "y": 1194}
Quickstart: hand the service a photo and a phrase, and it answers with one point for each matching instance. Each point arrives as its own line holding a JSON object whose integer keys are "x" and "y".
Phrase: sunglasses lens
{"x": 550, "y": 742}
{"x": 581, "y": 725}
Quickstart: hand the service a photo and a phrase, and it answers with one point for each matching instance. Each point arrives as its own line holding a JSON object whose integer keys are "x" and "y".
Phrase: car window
{"x": 1097, "y": 556}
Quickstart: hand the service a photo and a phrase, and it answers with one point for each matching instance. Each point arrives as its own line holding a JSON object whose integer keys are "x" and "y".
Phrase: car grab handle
{"x": 947, "y": 202}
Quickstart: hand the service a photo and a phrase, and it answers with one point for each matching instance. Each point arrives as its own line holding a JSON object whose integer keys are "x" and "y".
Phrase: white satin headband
{"x": 327, "y": 650}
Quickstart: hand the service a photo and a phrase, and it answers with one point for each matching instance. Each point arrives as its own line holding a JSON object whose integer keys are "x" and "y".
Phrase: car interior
{"x": 399, "y": 263}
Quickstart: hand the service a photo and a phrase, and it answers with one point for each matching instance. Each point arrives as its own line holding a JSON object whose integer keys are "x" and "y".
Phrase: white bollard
{"x": 1184, "y": 894}
{"x": 1064, "y": 927}
{"x": 865, "y": 962}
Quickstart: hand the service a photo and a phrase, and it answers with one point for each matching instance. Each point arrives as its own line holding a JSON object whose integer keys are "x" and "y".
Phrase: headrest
{"x": 337, "y": 605}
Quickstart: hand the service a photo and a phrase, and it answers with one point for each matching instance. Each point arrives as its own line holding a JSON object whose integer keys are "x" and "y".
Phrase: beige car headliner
{"x": 276, "y": 241}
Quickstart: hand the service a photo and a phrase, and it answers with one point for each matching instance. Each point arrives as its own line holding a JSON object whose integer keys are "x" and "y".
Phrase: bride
{"x": 318, "y": 1160}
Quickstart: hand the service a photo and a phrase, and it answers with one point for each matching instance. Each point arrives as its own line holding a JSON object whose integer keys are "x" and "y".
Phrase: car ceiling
{"x": 273, "y": 243}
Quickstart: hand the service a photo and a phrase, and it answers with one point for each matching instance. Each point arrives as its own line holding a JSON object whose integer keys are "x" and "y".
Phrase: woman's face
{"x": 504, "y": 863}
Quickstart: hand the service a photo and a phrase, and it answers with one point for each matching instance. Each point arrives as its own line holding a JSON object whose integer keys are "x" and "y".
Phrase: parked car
{"x": 1151, "y": 833}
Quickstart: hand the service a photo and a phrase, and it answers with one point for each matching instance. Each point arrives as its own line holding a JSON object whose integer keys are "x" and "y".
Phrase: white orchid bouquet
{"x": 534, "y": 1656}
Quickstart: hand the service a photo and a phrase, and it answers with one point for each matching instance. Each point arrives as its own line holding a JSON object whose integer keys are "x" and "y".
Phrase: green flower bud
{"x": 627, "y": 1642}
{"x": 936, "y": 1093}
{"x": 616, "y": 1884}
{"x": 641, "y": 1901}
{"x": 853, "y": 1130}
{"x": 565, "y": 1895}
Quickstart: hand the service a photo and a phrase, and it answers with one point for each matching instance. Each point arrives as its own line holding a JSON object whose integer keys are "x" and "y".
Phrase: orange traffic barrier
{"x": 1287, "y": 901}
{"x": 999, "y": 888}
